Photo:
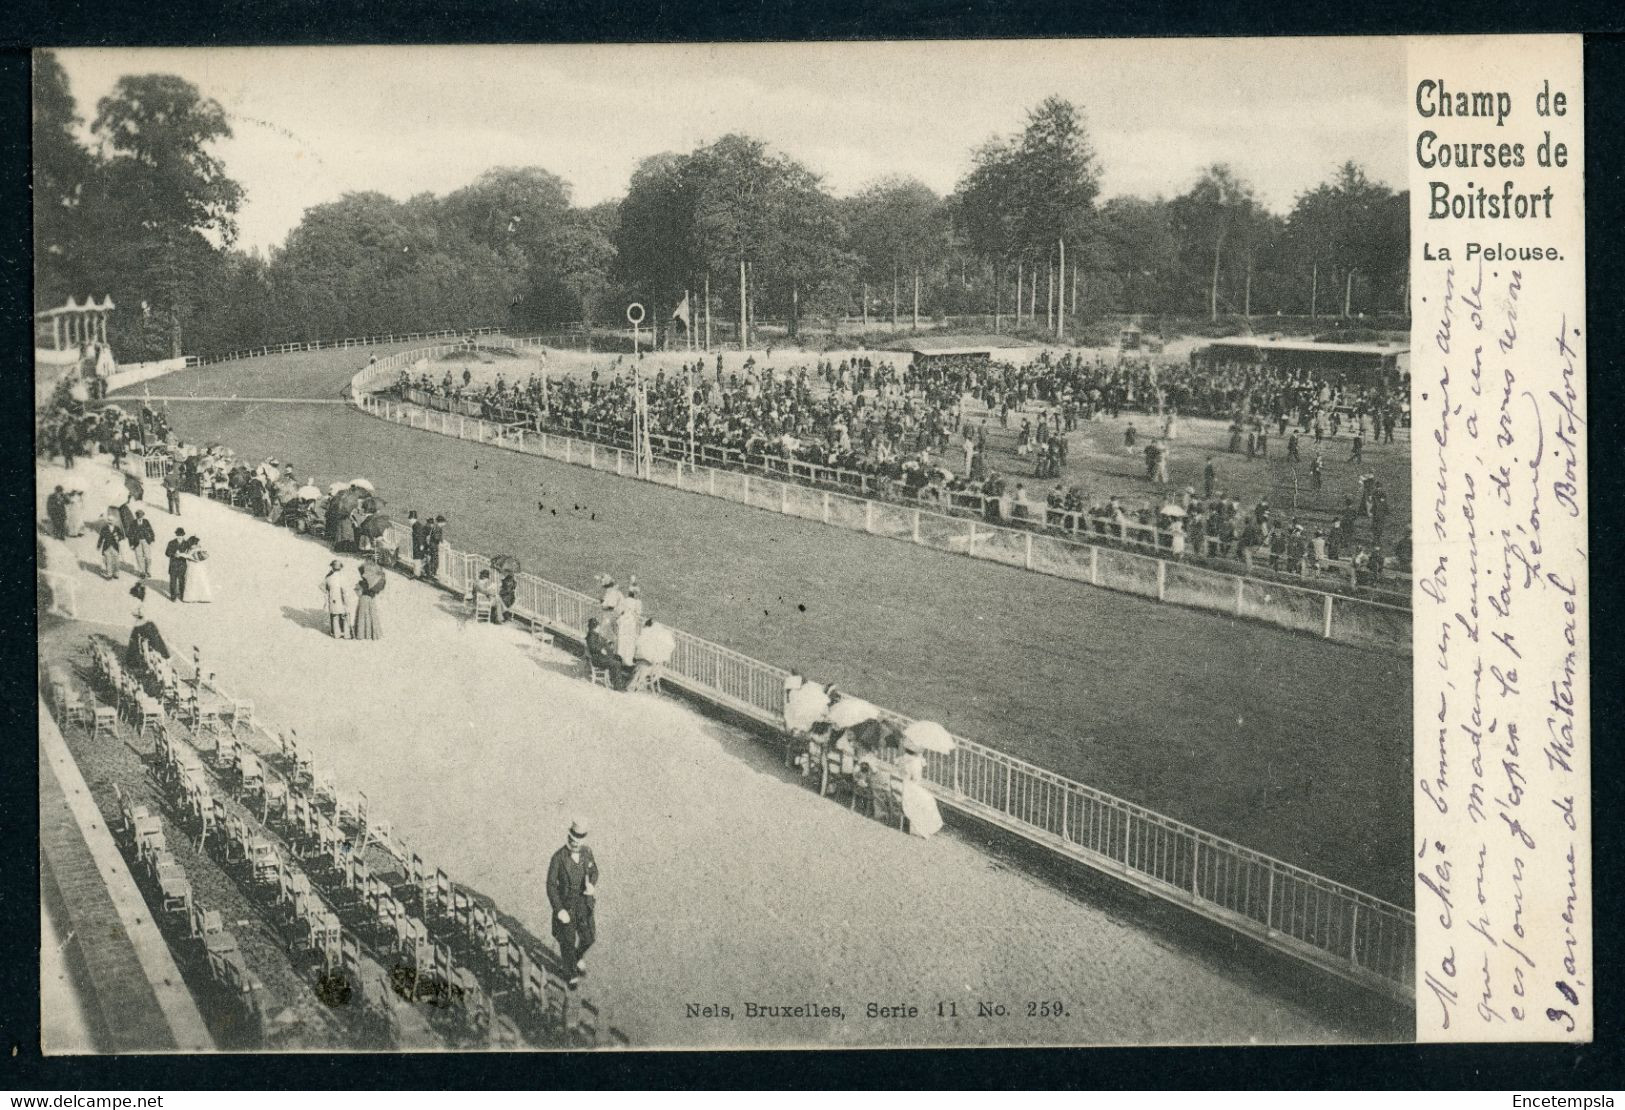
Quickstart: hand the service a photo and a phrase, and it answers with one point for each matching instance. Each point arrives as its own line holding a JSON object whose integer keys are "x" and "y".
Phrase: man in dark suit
{"x": 175, "y": 551}
{"x": 420, "y": 532}
{"x": 433, "y": 536}
{"x": 572, "y": 881}
{"x": 172, "y": 487}
{"x": 141, "y": 538}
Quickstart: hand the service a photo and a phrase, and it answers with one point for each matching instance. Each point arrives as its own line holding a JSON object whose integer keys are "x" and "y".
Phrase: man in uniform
{"x": 572, "y": 881}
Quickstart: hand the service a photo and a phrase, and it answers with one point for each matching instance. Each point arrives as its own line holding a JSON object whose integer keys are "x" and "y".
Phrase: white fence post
{"x": 1241, "y": 584}
{"x": 1094, "y": 566}
{"x": 826, "y": 521}
{"x": 916, "y": 536}
{"x": 711, "y": 480}
{"x": 567, "y": 442}
{"x": 1027, "y": 555}
{"x": 1326, "y": 624}
{"x": 868, "y": 516}
{"x": 1162, "y": 580}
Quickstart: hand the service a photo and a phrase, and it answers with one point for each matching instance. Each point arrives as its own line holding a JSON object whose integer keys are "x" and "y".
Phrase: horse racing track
{"x": 1290, "y": 745}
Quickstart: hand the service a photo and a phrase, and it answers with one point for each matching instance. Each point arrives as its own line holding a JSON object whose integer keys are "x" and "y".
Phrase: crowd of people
{"x": 832, "y": 735}
{"x": 919, "y": 432}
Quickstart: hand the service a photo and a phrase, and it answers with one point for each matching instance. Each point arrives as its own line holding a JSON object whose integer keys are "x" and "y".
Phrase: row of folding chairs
{"x": 328, "y": 896}
{"x": 263, "y": 871}
{"x": 328, "y": 924}
{"x": 142, "y": 833}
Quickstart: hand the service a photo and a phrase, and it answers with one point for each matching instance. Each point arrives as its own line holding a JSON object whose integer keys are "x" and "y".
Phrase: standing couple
{"x": 367, "y": 588}
{"x": 188, "y": 570}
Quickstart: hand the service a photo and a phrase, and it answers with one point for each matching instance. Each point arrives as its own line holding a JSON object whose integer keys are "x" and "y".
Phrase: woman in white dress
{"x": 198, "y": 586}
{"x": 628, "y": 623}
{"x": 919, "y": 806}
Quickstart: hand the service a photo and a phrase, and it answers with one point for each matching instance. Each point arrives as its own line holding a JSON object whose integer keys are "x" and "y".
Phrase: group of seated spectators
{"x": 885, "y": 429}
{"x": 628, "y": 648}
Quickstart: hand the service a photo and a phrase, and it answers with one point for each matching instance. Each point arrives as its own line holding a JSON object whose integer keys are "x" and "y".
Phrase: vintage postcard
{"x": 1013, "y": 543}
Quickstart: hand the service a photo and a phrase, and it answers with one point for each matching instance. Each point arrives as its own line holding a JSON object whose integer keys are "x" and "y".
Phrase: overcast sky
{"x": 313, "y": 123}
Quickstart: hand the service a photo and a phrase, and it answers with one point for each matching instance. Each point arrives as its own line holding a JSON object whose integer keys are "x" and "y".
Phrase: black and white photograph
{"x": 803, "y": 545}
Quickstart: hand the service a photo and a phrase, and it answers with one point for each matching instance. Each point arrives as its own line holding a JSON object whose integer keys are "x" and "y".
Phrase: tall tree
{"x": 63, "y": 172}
{"x": 1213, "y": 216}
{"x": 896, "y": 226}
{"x": 157, "y": 131}
{"x": 654, "y": 237}
{"x": 1032, "y": 195}
{"x": 805, "y": 241}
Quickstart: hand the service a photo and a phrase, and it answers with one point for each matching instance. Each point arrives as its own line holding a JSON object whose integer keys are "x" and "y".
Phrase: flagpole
{"x": 708, "y": 310}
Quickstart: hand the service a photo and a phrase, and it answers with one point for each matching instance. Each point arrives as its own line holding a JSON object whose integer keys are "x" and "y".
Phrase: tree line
{"x": 145, "y": 212}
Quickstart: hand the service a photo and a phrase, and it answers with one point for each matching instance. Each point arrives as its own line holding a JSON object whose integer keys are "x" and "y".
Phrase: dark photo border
{"x": 128, "y": 23}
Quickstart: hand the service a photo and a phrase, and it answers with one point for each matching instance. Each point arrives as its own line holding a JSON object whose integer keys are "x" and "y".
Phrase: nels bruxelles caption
{"x": 1047, "y": 1008}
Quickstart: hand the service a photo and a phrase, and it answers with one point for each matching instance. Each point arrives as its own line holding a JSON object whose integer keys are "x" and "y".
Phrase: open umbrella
{"x": 851, "y": 711}
{"x": 1171, "y": 510}
{"x": 308, "y": 493}
{"x": 334, "y": 488}
{"x": 804, "y": 706}
{"x": 928, "y": 736}
{"x": 656, "y": 644}
{"x": 376, "y": 525}
{"x": 362, "y": 483}
{"x": 506, "y": 564}
{"x": 876, "y": 734}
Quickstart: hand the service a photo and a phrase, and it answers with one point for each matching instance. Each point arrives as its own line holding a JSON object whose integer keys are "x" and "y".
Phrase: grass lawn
{"x": 1285, "y": 743}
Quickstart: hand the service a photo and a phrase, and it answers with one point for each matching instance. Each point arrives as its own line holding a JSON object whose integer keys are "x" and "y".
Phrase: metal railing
{"x": 1330, "y": 925}
{"x": 1325, "y": 923}
{"x": 331, "y": 344}
{"x": 1330, "y": 616}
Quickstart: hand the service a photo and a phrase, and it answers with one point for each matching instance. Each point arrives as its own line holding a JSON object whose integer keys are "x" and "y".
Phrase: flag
{"x": 682, "y": 313}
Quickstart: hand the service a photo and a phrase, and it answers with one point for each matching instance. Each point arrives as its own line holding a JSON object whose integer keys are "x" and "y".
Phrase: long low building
{"x": 1365, "y": 362}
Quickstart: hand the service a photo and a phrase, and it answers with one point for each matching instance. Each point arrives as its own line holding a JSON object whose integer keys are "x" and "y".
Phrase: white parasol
{"x": 656, "y": 644}
{"x": 1171, "y": 510}
{"x": 851, "y": 711}
{"x": 804, "y": 706}
{"x": 308, "y": 493}
{"x": 363, "y": 484}
{"x": 336, "y": 487}
{"x": 928, "y": 736}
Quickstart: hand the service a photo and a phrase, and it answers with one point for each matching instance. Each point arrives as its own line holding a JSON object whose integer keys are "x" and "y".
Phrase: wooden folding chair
{"x": 241, "y": 712}
{"x": 584, "y": 1031}
{"x": 273, "y": 798}
{"x": 174, "y": 888}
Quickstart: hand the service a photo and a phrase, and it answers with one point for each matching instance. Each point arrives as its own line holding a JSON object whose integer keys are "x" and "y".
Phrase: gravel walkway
{"x": 726, "y": 884}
